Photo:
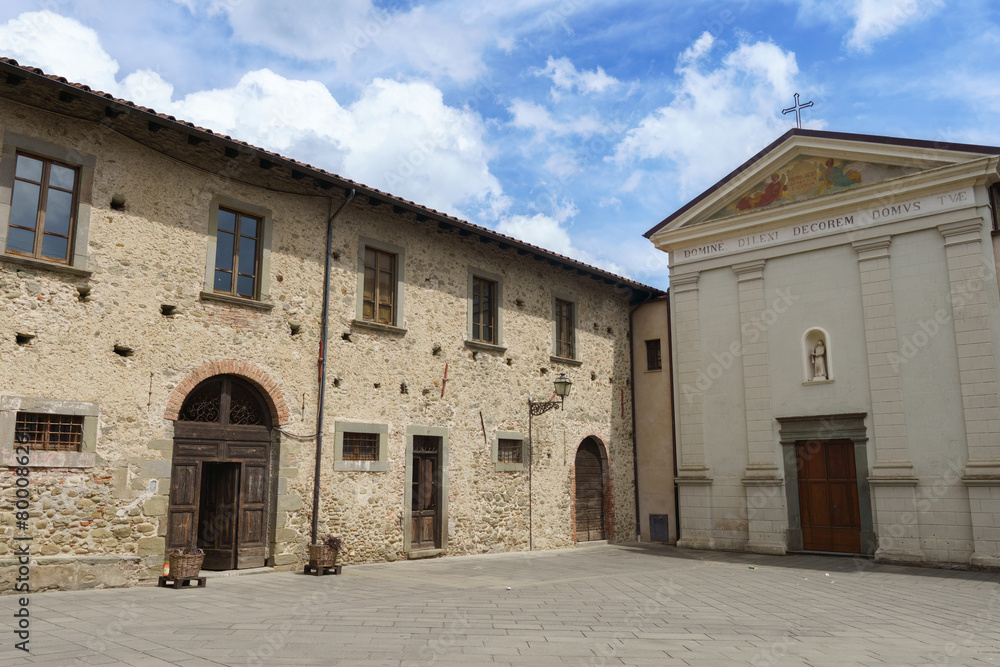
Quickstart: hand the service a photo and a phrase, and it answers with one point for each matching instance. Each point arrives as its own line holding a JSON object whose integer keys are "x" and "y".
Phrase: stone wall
{"x": 153, "y": 253}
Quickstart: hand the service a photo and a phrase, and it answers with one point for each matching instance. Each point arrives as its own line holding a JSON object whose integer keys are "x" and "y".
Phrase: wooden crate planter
{"x": 322, "y": 560}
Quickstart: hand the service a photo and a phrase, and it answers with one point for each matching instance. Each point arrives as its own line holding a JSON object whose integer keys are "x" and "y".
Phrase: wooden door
{"x": 589, "y": 493}
{"x": 182, "y": 515}
{"x": 828, "y": 496}
{"x": 221, "y": 482}
{"x": 252, "y": 547}
{"x": 425, "y": 493}
{"x": 217, "y": 514}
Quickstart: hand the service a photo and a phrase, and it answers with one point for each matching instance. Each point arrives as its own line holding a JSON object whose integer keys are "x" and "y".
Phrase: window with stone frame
{"x": 49, "y": 433}
{"x": 43, "y": 208}
{"x": 360, "y": 446}
{"x": 565, "y": 333}
{"x": 237, "y": 254}
{"x": 379, "y": 298}
{"x": 510, "y": 451}
{"x": 484, "y": 310}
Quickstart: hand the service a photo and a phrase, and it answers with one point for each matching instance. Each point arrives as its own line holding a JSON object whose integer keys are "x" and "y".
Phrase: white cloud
{"x": 719, "y": 115}
{"x": 566, "y": 77}
{"x": 873, "y": 20}
{"x": 533, "y": 116}
{"x": 399, "y": 137}
{"x": 550, "y": 233}
{"x": 62, "y": 46}
{"x": 877, "y": 19}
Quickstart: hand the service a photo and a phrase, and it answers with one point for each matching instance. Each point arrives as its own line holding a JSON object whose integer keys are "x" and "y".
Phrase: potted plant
{"x": 324, "y": 554}
{"x": 186, "y": 562}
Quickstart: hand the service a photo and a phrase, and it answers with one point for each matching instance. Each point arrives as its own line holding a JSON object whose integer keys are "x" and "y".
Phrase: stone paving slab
{"x": 605, "y": 605}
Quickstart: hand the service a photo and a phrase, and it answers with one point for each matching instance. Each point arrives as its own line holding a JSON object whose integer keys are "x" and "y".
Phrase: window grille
{"x": 360, "y": 447}
{"x": 52, "y": 433}
{"x": 508, "y": 451}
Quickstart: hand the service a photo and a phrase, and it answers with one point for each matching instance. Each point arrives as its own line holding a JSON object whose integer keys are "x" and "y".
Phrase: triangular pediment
{"x": 806, "y": 177}
{"x": 806, "y": 169}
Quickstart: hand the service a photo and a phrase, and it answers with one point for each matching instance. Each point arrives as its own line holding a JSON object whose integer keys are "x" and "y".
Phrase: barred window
{"x": 508, "y": 451}
{"x": 53, "y": 433}
{"x": 360, "y": 447}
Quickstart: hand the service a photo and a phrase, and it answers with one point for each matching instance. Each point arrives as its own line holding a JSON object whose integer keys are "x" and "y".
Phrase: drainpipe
{"x": 635, "y": 446}
{"x": 322, "y": 362}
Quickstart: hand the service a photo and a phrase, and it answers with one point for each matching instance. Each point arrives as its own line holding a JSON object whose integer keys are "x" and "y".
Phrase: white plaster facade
{"x": 895, "y": 267}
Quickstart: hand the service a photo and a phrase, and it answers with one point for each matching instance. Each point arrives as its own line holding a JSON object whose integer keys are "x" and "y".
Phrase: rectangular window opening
{"x": 653, "y": 360}
{"x": 484, "y": 310}
{"x": 508, "y": 451}
{"x": 43, "y": 208}
{"x": 46, "y": 432}
{"x": 379, "y": 298}
{"x": 360, "y": 447}
{"x": 564, "y": 329}
{"x": 237, "y": 254}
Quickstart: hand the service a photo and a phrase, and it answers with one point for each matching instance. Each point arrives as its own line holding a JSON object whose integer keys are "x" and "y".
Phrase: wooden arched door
{"x": 221, "y": 480}
{"x": 589, "y": 492}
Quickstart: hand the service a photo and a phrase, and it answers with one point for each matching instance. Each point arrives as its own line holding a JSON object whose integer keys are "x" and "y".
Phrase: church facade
{"x": 836, "y": 328}
{"x": 162, "y": 308}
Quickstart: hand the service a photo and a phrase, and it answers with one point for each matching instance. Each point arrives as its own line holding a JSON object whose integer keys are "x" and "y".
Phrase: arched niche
{"x": 817, "y": 356}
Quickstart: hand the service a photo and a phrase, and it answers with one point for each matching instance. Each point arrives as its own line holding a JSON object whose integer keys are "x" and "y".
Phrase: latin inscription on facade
{"x": 849, "y": 221}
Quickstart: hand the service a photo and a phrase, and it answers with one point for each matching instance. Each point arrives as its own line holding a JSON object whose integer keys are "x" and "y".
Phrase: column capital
{"x": 964, "y": 231}
{"x": 685, "y": 282}
{"x": 749, "y": 270}
{"x": 873, "y": 248}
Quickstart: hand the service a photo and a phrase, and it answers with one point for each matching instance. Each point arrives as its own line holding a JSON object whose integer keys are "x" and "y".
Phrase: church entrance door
{"x": 220, "y": 484}
{"x": 589, "y": 492}
{"x": 426, "y": 499}
{"x": 828, "y": 496}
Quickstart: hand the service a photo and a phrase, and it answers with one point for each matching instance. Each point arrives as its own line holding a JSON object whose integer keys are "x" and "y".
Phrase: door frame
{"x": 607, "y": 500}
{"x": 196, "y": 443}
{"x": 827, "y": 427}
{"x": 442, "y": 519}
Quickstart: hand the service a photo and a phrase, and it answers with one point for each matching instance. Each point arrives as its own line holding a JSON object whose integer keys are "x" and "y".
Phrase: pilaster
{"x": 892, "y": 481}
{"x": 766, "y": 516}
{"x": 968, "y": 277}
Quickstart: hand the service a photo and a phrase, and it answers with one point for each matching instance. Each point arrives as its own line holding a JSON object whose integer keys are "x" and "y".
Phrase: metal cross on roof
{"x": 798, "y": 110}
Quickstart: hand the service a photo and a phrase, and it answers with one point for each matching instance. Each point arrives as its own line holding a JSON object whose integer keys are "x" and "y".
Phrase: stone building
{"x": 163, "y": 293}
{"x": 836, "y": 320}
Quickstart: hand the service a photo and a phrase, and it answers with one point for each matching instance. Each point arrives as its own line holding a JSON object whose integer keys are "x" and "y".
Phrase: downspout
{"x": 673, "y": 419}
{"x": 322, "y": 362}
{"x": 635, "y": 445}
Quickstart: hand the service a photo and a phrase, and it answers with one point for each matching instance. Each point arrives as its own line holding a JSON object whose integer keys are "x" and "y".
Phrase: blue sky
{"x": 573, "y": 124}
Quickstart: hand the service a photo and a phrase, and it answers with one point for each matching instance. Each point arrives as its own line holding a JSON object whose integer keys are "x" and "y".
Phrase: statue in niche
{"x": 818, "y": 357}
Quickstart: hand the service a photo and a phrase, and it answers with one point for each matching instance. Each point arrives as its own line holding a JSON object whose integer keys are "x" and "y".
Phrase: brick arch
{"x": 608, "y": 483}
{"x": 255, "y": 376}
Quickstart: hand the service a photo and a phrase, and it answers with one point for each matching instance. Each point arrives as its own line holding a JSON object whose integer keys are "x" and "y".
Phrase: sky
{"x": 576, "y": 125}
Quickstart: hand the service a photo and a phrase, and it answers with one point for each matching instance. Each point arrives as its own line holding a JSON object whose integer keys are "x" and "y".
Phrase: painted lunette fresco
{"x": 806, "y": 177}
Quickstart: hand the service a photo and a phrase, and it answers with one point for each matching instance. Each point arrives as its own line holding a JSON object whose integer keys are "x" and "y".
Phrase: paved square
{"x": 603, "y": 605}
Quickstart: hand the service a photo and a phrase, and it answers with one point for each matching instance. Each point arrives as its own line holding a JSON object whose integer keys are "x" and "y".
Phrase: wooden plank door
{"x": 425, "y": 500}
{"x": 182, "y": 515}
{"x": 217, "y": 516}
{"x": 251, "y": 547}
{"x": 589, "y": 493}
{"x": 828, "y": 496}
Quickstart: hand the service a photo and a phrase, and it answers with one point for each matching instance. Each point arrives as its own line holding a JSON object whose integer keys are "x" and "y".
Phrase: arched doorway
{"x": 590, "y": 466}
{"x": 220, "y": 486}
